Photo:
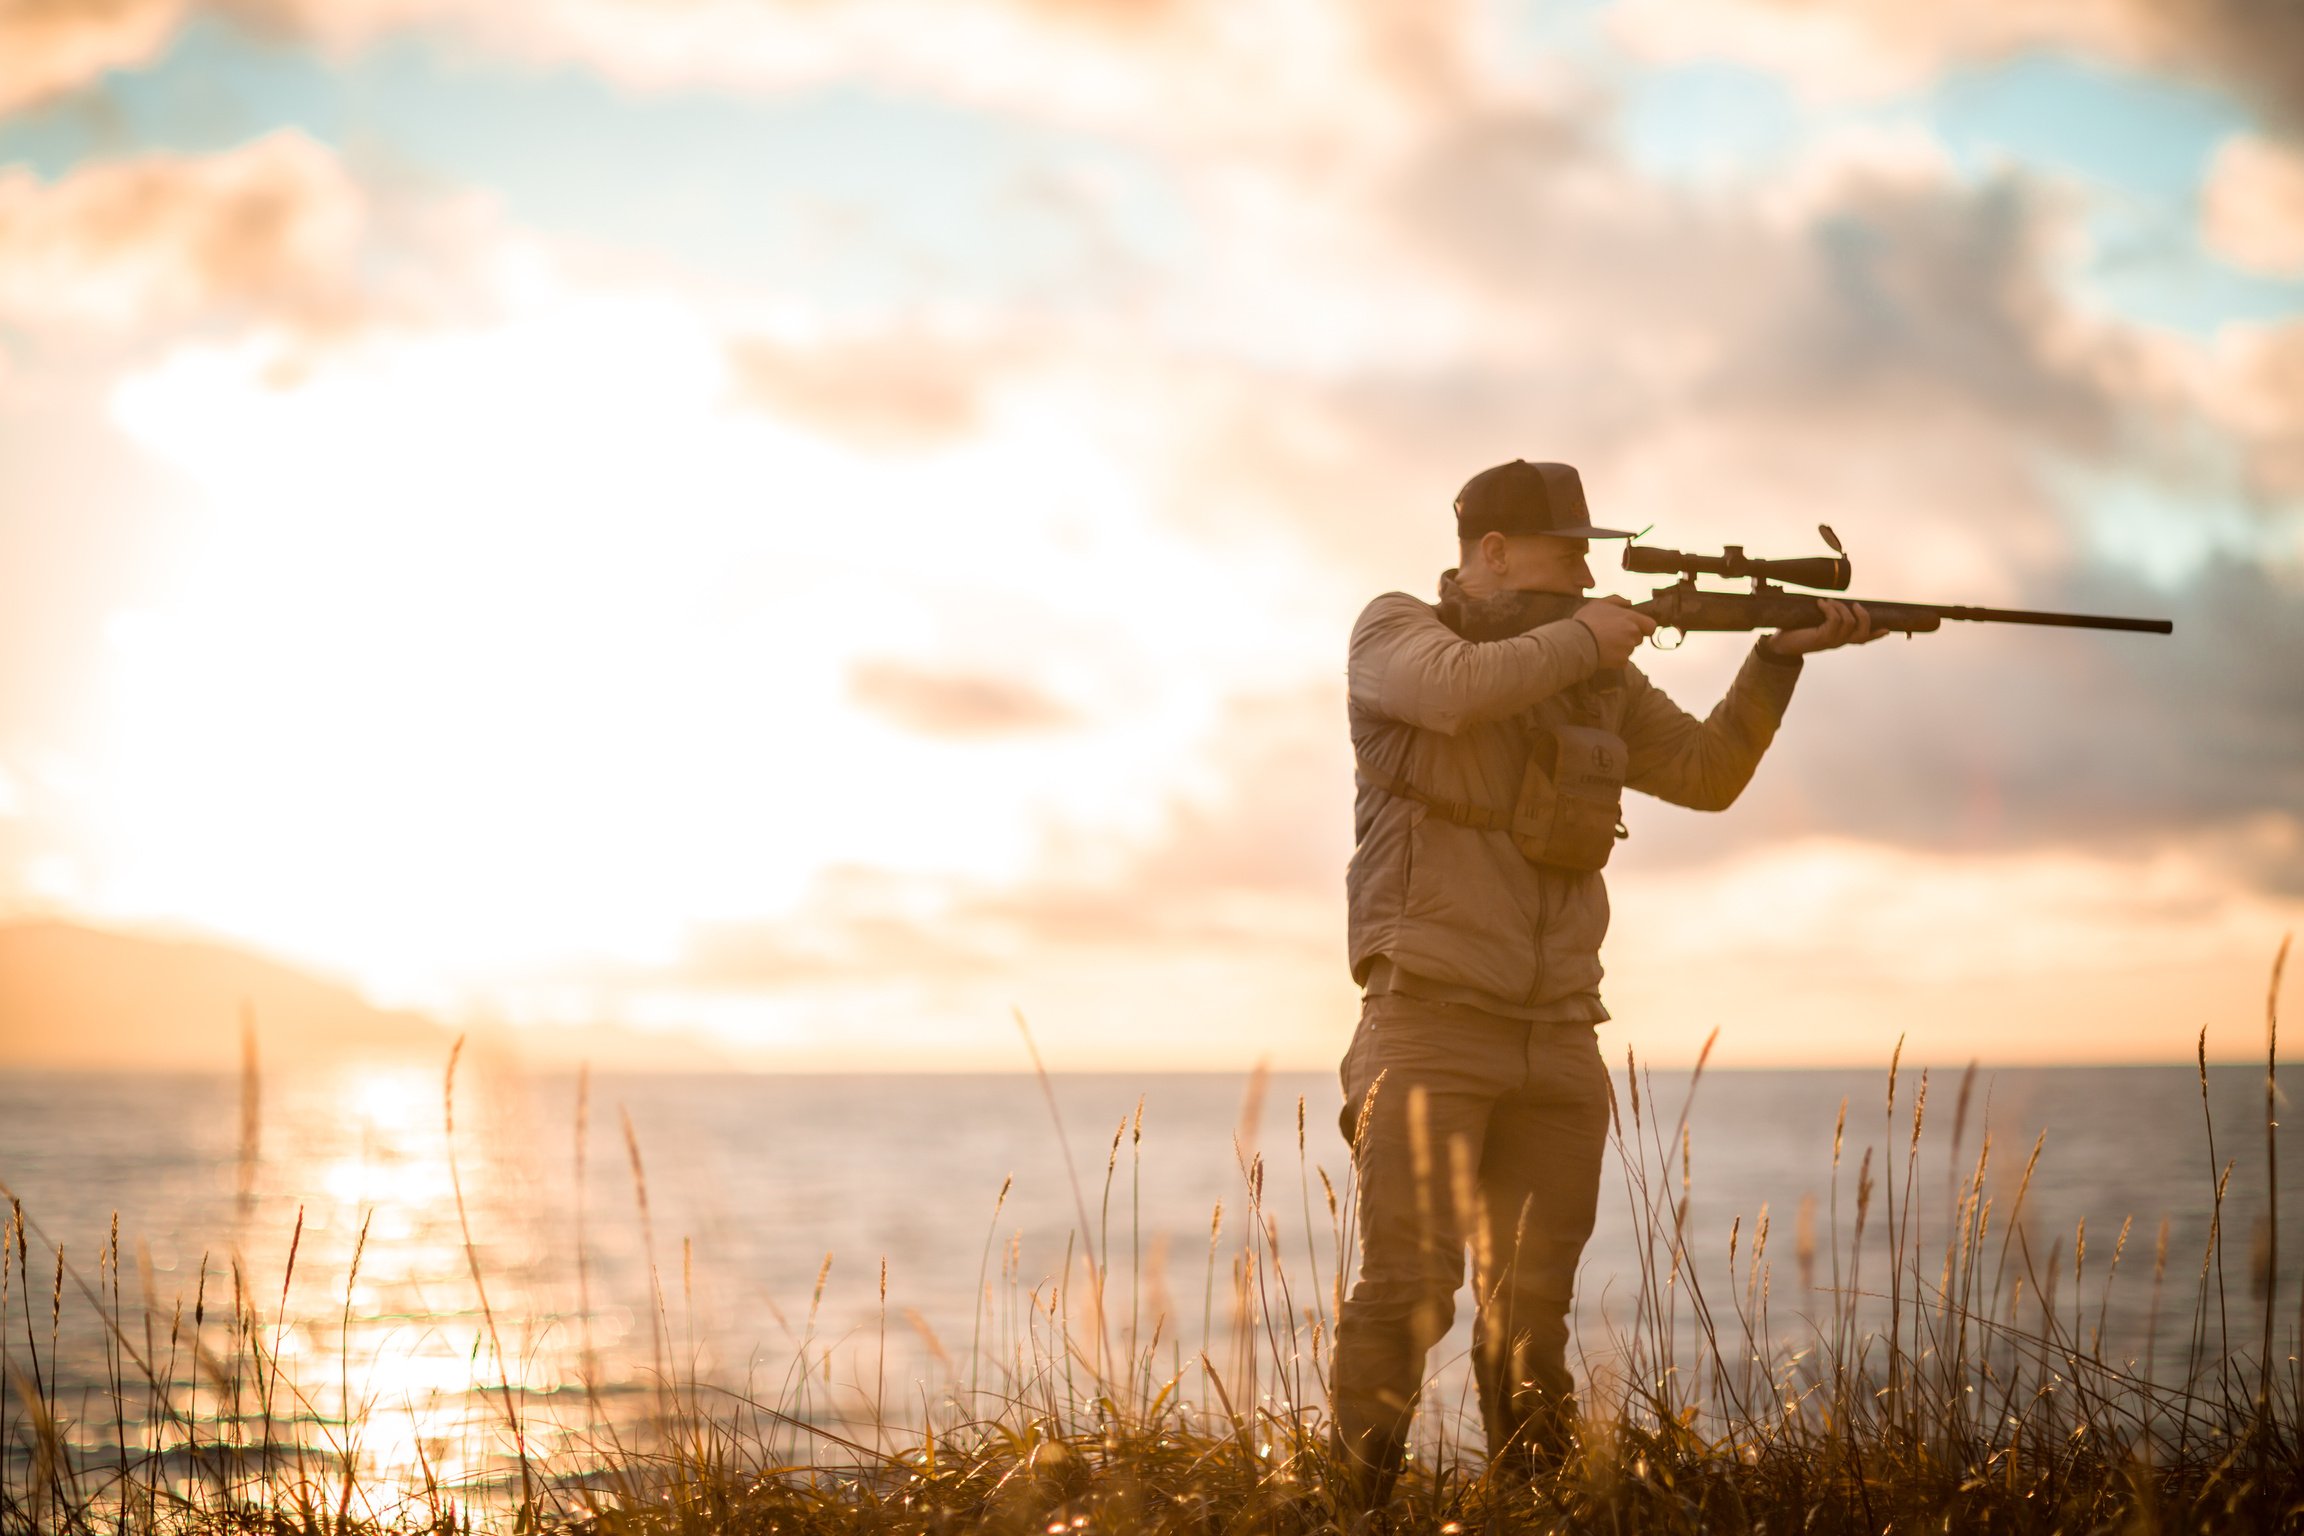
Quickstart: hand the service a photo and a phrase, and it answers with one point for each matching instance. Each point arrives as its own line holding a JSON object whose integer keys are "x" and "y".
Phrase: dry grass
{"x": 1958, "y": 1381}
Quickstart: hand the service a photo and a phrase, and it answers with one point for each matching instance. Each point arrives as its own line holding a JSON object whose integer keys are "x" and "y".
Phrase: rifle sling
{"x": 1461, "y": 812}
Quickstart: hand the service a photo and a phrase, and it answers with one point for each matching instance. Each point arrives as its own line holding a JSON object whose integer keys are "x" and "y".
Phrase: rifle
{"x": 1687, "y": 607}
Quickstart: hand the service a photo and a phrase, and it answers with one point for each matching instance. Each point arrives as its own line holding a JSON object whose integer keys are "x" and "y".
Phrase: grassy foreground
{"x": 1960, "y": 1382}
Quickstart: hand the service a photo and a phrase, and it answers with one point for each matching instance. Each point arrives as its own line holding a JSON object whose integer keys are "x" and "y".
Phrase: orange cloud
{"x": 880, "y": 392}
{"x": 1206, "y": 71}
{"x": 48, "y": 47}
{"x": 1867, "y": 46}
{"x": 269, "y": 233}
{"x": 2252, "y": 208}
{"x": 2250, "y": 386}
{"x": 1175, "y": 69}
{"x": 953, "y": 704}
{"x": 2052, "y": 955}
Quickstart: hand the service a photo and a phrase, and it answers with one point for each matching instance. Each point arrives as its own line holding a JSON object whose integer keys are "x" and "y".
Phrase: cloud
{"x": 1823, "y": 949}
{"x": 2252, "y": 390}
{"x": 1397, "y": 271}
{"x": 1209, "y": 936}
{"x": 1205, "y": 71}
{"x": 1244, "y": 858}
{"x": 1879, "y": 345}
{"x": 1246, "y": 855}
{"x": 1864, "y": 47}
{"x": 888, "y": 392}
{"x": 1871, "y": 277}
{"x": 276, "y": 234}
{"x": 274, "y": 248}
{"x": 1275, "y": 813}
{"x": 858, "y": 923}
{"x": 933, "y": 703}
{"x": 48, "y": 47}
{"x": 2252, "y": 207}
{"x": 1179, "y": 70}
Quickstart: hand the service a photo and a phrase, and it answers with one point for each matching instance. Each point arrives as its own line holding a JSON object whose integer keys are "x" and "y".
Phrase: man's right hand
{"x": 1617, "y": 627}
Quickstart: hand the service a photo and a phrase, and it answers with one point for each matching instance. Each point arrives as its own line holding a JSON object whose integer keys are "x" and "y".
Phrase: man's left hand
{"x": 1844, "y": 624}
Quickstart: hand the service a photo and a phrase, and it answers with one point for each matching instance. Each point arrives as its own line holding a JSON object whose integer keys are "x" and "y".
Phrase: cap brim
{"x": 1591, "y": 533}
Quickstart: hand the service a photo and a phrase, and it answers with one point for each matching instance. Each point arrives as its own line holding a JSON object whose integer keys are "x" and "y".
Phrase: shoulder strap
{"x": 1461, "y": 812}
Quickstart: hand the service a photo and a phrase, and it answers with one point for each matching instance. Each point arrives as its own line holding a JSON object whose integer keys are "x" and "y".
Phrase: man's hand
{"x": 1618, "y": 629}
{"x": 1844, "y": 624}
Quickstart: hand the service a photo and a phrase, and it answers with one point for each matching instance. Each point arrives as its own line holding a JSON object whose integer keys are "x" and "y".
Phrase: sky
{"x": 799, "y": 531}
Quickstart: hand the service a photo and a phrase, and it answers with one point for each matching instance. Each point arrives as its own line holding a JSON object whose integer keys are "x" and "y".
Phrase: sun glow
{"x": 493, "y": 650}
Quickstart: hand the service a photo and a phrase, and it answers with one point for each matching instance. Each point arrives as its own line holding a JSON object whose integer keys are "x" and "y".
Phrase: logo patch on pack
{"x": 1570, "y": 811}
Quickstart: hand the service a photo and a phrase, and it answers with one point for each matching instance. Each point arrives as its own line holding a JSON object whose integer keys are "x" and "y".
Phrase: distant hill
{"x": 74, "y": 997}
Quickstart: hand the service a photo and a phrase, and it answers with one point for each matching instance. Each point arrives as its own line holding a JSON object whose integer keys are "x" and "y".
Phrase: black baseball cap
{"x": 1521, "y": 497}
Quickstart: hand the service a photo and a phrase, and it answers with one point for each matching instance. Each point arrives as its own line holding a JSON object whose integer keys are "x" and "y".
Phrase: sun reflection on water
{"x": 354, "y": 1286}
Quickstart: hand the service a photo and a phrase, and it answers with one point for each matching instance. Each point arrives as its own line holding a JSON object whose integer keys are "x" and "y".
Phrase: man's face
{"x": 1539, "y": 562}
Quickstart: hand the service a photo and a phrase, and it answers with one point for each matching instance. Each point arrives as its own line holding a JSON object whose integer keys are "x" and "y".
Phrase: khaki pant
{"x": 1486, "y": 1133}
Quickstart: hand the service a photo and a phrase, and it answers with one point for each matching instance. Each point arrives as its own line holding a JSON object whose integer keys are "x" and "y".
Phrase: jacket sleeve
{"x": 1408, "y": 666}
{"x": 1705, "y": 764}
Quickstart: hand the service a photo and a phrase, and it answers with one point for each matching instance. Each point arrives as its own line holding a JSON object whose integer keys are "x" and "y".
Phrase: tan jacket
{"x": 1458, "y": 908}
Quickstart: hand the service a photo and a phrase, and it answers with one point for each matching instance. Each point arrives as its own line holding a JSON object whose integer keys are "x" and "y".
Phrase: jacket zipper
{"x": 1543, "y": 914}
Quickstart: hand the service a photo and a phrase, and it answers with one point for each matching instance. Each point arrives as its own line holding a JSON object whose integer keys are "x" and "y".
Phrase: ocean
{"x": 845, "y": 1245}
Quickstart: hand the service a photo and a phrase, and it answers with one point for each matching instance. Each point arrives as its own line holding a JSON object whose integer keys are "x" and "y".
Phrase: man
{"x": 1489, "y": 734}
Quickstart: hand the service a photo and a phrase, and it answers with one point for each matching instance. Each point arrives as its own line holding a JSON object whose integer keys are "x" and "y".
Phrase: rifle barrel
{"x": 1690, "y": 607}
{"x": 2063, "y": 620}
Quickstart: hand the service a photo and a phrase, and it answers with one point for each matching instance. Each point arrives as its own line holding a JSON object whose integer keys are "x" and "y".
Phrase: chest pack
{"x": 1570, "y": 810}
{"x": 1569, "y": 813}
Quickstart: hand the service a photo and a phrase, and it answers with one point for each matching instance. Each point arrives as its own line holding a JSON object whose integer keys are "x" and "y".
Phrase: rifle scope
{"x": 1829, "y": 572}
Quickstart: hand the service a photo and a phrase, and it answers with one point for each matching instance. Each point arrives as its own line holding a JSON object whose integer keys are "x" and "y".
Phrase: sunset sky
{"x": 807, "y": 526}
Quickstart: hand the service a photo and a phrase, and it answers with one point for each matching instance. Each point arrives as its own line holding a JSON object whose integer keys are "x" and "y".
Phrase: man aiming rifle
{"x": 1493, "y": 735}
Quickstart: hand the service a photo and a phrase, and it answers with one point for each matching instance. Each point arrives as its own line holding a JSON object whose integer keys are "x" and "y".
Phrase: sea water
{"x": 872, "y": 1246}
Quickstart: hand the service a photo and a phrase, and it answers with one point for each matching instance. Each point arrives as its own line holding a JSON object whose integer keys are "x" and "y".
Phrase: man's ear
{"x": 1495, "y": 552}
